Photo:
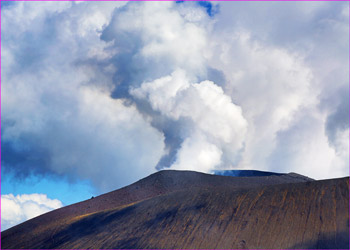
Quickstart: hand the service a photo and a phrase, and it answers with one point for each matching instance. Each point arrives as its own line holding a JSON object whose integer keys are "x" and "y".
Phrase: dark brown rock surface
{"x": 184, "y": 209}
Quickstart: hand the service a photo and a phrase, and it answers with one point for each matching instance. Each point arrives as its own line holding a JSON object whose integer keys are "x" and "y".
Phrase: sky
{"x": 97, "y": 95}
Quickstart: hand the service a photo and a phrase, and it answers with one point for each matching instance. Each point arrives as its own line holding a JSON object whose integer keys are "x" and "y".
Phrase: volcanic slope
{"x": 184, "y": 209}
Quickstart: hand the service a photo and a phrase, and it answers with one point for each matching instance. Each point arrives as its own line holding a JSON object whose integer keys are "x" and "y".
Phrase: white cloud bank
{"x": 19, "y": 208}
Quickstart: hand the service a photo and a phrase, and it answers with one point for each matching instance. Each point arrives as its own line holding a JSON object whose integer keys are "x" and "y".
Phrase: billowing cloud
{"x": 147, "y": 48}
{"x": 58, "y": 116}
{"x": 283, "y": 73}
{"x": 111, "y": 91}
{"x": 19, "y": 208}
{"x": 269, "y": 83}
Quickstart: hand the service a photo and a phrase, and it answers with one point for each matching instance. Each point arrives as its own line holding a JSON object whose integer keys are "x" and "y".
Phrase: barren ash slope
{"x": 185, "y": 209}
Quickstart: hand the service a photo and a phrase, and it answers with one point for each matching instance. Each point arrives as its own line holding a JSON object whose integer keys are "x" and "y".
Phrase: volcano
{"x": 185, "y": 209}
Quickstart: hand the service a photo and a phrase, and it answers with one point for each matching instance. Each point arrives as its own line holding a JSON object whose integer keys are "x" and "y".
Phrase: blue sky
{"x": 97, "y": 95}
{"x": 68, "y": 192}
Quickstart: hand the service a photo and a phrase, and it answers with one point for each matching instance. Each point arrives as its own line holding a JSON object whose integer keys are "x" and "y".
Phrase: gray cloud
{"x": 58, "y": 117}
{"x": 337, "y": 123}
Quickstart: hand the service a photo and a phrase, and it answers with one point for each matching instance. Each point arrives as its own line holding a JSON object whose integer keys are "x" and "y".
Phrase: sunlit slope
{"x": 211, "y": 212}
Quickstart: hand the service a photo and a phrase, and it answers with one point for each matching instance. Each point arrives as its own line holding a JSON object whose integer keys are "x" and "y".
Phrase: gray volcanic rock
{"x": 300, "y": 177}
{"x": 185, "y": 209}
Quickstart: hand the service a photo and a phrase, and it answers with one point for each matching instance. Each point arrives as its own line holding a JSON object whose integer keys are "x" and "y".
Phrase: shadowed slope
{"x": 245, "y": 173}
{"x": 159, "y": 183}
{"x": 162, "y": 211}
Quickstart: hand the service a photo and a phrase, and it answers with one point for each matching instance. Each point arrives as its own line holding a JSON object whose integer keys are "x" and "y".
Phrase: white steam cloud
{"x": 213, "y": 127}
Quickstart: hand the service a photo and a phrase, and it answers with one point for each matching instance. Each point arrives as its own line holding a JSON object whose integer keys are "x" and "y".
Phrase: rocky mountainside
{"x": 185, "y": 209}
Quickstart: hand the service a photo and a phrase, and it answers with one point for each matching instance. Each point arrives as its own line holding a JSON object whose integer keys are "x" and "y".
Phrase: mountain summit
{"x": 186, "y": 209}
